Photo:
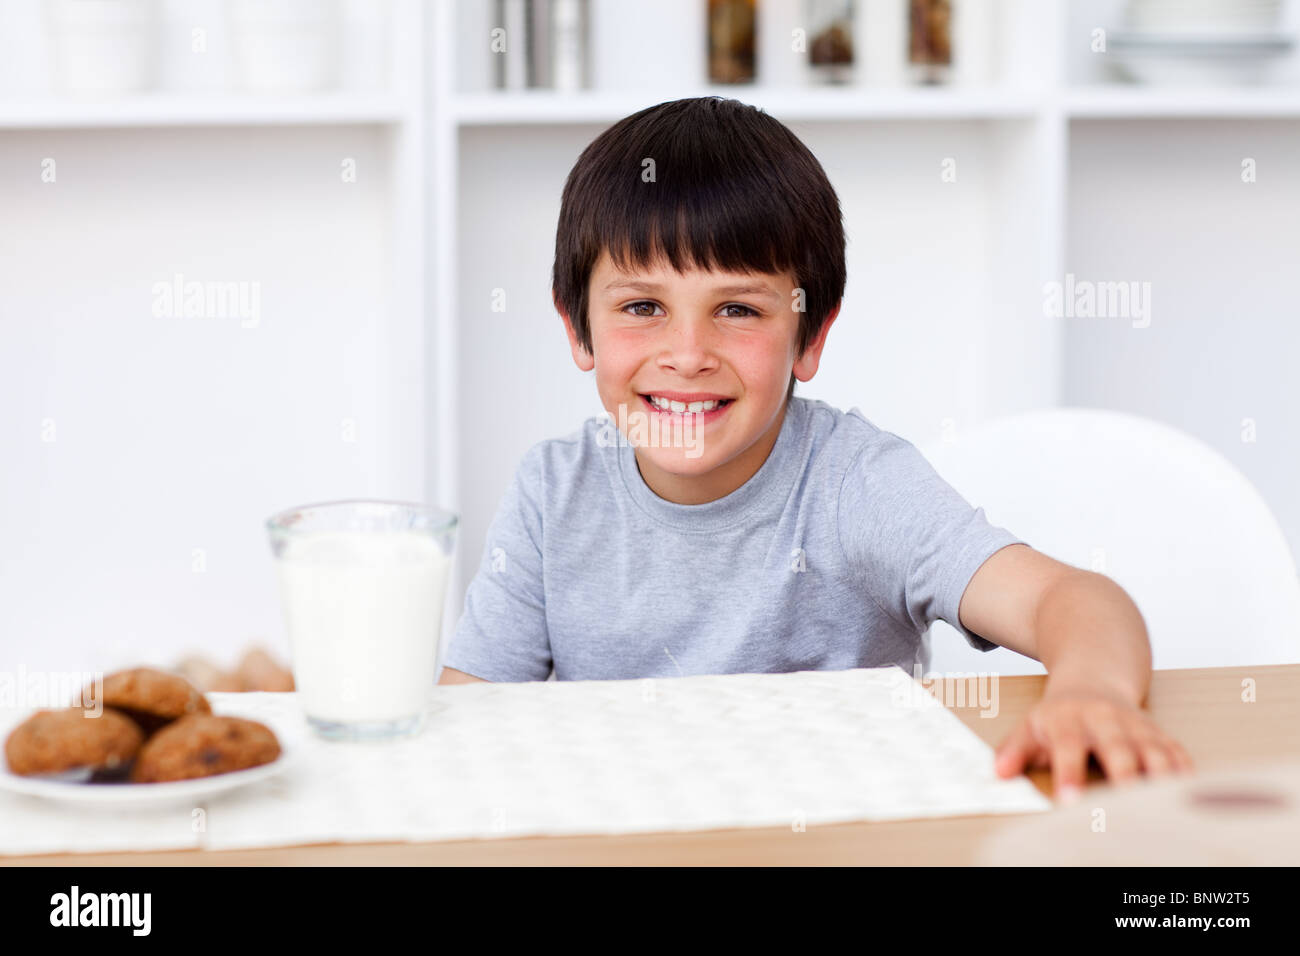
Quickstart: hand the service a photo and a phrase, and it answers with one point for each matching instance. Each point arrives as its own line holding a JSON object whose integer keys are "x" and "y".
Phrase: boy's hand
{"x": 1067, "y": 725}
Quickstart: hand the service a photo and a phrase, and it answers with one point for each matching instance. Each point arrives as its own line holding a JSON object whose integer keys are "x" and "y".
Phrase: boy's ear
{"x": 805, "y": 366}
{"x": 581, "y": 357}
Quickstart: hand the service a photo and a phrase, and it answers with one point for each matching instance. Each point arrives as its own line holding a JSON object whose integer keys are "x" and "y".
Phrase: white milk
{"x": 363, "y": 611}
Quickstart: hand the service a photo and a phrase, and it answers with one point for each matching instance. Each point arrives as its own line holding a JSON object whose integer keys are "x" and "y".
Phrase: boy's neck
{"x": 718, "y": 483}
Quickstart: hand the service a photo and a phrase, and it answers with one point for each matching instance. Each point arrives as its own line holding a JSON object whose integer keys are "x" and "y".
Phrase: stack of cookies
{"x": 152, "y": 727}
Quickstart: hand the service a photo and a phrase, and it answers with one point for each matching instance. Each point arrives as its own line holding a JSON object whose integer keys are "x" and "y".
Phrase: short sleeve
{"x": 502, "y": 634}
{"x": 915, "y": 541}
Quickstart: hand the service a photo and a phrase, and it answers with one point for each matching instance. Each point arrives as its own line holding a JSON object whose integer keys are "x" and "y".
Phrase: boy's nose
{"x": 689, "y": 345}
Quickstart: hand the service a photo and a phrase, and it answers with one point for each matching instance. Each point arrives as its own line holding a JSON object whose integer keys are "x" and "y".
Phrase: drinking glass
{"x": 362, "y": 585}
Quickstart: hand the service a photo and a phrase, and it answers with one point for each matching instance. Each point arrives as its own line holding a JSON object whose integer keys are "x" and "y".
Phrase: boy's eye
{"x": 746, "y": 310}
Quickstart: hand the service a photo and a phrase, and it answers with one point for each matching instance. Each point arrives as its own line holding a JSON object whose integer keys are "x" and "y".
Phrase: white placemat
{"x": 583, "y": 757}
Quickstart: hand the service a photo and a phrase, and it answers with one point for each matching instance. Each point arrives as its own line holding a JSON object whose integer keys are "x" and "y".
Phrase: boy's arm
{"x": 452, "y": 676}
{"x": 502, "y": 630}
{"x": 1091, "y": 637}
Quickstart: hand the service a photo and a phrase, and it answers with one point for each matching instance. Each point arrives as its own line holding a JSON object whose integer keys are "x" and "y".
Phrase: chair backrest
{"x": 1162, "y": 513}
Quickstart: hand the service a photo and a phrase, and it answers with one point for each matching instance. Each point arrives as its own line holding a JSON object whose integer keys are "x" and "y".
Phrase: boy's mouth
{"x": 701, "y": 410}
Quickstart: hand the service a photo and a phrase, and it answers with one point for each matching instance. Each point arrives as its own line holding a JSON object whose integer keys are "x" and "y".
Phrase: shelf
{"x": 1138, "y": 102}
{"x": 540, "y": 107}
{"x": 545, "y": 107}
{"x": 192, "y": 110}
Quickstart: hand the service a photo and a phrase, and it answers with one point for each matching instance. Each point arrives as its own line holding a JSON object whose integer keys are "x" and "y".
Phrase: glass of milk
{"x": 362, "y": 584}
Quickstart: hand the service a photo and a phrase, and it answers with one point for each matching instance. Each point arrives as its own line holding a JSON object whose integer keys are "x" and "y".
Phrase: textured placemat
{"x": 585, "y": 757}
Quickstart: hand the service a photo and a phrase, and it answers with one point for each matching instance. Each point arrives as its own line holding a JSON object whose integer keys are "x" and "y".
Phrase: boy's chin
{"x": 685, "y": 461}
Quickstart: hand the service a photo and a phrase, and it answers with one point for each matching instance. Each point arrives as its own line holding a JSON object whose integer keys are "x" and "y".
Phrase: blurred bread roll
{"x": 207, "y": 676}
{"x": 259, "y": 671}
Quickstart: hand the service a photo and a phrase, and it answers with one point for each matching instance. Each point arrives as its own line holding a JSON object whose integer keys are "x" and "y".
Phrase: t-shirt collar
{"x": 769, "y": 485}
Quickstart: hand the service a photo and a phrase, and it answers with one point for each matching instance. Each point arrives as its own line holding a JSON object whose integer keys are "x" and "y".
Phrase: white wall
{"x": 175, "y": 434}
{"x": 139, "y": 453}
{"x": 1163, "y": 202}
{"x": 518, "y": 383}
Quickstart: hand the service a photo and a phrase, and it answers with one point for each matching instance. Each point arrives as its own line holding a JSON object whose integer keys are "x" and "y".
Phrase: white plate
{"x": 1229, "y": 44}
{"x": 1164, "y": 59}
{"x": 144, "y": 796}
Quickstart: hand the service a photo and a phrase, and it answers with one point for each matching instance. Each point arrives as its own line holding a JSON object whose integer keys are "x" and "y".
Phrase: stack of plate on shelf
{"x": 1200, "y": 42}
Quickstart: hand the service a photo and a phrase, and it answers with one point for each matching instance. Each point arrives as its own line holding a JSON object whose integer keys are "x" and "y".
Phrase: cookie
{"x": 202, "y": 745}
{"x": 152, "y": 698}
{"x": 52, "y": 741}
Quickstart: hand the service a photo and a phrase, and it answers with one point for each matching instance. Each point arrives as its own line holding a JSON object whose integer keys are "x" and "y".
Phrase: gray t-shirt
{"x": 839, "y": 552}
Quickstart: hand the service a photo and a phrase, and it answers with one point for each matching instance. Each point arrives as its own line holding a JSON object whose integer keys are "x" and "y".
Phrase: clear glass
{"x": 362, "y": 584}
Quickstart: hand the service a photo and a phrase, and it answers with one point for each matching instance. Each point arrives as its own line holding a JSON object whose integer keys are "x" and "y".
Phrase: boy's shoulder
{"x": 568, "y": 461}
{"x": 848, "y": 428}
{"x": 568, "y": 450}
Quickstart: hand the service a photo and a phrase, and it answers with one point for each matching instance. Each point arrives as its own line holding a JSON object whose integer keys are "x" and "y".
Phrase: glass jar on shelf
{"x": 733, "y": 26}
{"x": 929, "y": 47}
{"x": 830, "y": 40}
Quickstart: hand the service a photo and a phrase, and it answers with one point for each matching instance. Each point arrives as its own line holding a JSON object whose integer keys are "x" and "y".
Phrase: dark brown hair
{"x": 733, "y": 189}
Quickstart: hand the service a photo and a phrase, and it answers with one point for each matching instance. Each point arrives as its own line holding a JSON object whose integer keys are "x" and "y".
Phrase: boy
{"x": 725, "y": 526}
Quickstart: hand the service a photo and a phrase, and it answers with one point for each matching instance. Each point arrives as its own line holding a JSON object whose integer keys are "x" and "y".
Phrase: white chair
{"x": 1164, "y": 515}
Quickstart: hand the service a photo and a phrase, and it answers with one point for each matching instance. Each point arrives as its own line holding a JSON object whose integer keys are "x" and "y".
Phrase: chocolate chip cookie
{"x": 202, "y": 745}
{"x": 152, "y": 698}
{"x": 52, "y": 741}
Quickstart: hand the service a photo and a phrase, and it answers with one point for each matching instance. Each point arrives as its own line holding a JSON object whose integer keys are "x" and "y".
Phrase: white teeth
{"x": 679, "y": 407}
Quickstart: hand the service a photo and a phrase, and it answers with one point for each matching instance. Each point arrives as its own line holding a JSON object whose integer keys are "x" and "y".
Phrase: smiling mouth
{"x": 687, "y": 411}
{"x": 673, "y": 407}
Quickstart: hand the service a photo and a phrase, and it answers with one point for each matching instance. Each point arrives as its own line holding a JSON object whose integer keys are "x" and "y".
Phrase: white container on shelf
{"x": 103, "y": 47}
{"x": 568, "y": 45}
{"x": 1171, "y": 59}
{"x": 1203, "y": 17}
{"x": 365, "y": 54}
{"x": 285, "y": 46}
{"x": 511, "y": 64}
{"x": 976, "y": 27}
{"x": 880, "y": 39}
{"x": 193, "y": 47}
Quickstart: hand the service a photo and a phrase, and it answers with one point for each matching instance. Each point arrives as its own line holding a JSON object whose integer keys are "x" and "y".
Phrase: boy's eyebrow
{"x": 637, "y": 285}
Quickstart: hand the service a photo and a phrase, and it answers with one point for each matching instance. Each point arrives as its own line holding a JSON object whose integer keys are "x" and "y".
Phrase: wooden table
{"x": 1202, "y": 708}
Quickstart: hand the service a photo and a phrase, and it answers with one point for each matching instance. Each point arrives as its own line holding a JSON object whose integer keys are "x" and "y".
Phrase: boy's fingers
{"x": 1155, "y": 749}
{"x": 1116, "y": 753}
{"x": 1156, "y": 760}
{"x": 1182, "y": 759}
{"x": 1115, "y": 742}
{"x": 1069, "y": 758}
{"x": 1016, "y": 751}
{"x": 1160, "y": 752}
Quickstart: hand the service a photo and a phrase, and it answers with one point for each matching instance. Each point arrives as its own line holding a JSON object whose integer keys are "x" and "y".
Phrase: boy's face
{"x": 695, "y": 337}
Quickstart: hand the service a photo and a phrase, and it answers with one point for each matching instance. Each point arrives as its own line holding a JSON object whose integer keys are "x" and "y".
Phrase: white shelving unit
{"x": 1130, "y": 103}
{"x": 220, "y": 186}
{"x": 539, "y": 107}
{"x": 186, "y": 111}
{"x": 942, "y": 326}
